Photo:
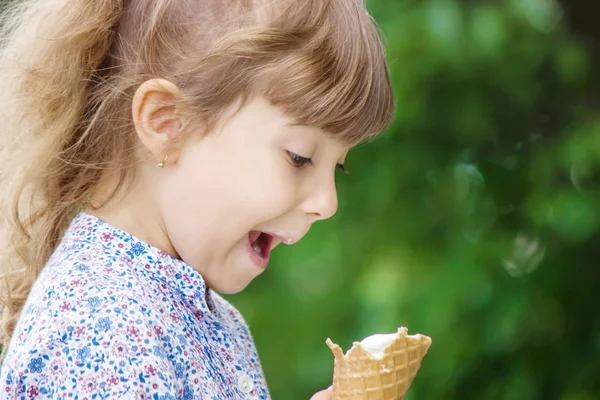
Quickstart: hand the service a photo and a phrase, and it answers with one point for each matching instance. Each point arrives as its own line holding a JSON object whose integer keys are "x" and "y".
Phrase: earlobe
{"x": 155, "y": 118}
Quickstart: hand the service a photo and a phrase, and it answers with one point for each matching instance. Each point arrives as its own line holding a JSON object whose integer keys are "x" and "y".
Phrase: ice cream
{"x": 380, "y": 367}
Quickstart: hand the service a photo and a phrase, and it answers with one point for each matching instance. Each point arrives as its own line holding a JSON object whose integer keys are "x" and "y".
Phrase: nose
{"x": 322, "y": 202}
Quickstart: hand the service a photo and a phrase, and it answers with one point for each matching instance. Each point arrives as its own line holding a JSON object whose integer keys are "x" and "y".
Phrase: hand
{"x": 322, "y": 395}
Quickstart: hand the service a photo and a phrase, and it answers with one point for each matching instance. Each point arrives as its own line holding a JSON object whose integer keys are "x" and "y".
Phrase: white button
{"x": 245, "y": 384}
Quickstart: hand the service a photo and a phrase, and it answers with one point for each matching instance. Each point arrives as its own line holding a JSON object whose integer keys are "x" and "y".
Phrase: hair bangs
{"x": 338, "y": 82}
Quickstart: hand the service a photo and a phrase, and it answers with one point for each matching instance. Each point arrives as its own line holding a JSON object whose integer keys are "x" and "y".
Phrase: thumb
{"x": 322, "y": 395}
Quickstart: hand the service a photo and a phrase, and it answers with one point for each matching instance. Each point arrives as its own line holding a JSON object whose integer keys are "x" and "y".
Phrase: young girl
{"x": 154, "y": 152}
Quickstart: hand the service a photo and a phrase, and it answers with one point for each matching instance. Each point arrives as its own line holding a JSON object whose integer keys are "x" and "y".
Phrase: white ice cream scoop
{"x": 376, "y": 344}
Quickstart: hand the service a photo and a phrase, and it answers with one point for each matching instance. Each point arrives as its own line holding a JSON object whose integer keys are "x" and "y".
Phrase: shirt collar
{"x": 154, "y": 263}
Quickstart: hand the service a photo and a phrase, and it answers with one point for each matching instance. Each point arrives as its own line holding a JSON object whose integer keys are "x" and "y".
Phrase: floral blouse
{"x": 113, "y": 317}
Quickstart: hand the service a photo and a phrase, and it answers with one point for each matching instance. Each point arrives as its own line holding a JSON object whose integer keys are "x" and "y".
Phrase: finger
{"x": 322, "y": 395}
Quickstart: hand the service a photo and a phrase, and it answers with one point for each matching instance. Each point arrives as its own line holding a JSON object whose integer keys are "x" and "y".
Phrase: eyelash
{"x": 299, "y": 162}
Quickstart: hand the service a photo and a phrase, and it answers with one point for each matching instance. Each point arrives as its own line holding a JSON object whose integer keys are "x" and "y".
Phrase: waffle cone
{"x": 360, "y": 376}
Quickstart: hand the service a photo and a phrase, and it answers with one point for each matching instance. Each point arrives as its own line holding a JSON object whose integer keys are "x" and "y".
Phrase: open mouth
{"x": 260, "y": 243}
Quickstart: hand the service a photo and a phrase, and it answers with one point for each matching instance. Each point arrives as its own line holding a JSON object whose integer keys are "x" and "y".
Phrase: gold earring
{"x": 163, "y": 162}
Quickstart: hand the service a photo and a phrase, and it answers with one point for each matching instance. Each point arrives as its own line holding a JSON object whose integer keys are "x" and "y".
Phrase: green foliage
{"x": 474, "y": 219}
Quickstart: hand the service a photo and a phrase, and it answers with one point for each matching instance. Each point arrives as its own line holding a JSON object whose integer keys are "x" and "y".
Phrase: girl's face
{"x": 250, "y": 175}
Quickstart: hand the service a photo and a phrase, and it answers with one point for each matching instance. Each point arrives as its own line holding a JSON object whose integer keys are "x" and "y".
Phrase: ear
{"x": 155, "y": 119}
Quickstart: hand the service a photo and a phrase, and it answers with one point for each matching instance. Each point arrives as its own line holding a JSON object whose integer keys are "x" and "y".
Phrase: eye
{"x": 299, "y": 161}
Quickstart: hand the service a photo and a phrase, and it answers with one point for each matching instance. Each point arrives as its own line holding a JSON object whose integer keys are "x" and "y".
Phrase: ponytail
{"x": 50, "y": 53}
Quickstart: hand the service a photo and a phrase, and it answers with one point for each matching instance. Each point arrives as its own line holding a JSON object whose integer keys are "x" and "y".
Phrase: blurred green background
{"x": 474, "y": 219}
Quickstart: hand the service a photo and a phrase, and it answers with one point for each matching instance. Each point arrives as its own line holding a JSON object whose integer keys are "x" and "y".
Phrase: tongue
{"x": 254, "y": 235}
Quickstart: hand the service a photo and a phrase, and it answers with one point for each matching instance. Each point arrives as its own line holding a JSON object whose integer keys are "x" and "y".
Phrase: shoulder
{"x": 88, "y": 328}
{"x": 110, "y": 349}
{"x": 81, "y": 283}
{"x": 81, "y": 293}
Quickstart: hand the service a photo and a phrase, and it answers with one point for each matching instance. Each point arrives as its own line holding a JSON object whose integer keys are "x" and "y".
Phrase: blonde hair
{"x": 68, "y": 71}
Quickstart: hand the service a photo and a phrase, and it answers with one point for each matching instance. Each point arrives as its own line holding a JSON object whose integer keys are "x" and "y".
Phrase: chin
{"x": 228, "y": 287}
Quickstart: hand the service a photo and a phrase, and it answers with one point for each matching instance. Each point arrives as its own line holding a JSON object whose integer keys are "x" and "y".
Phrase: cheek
{"x": 216, "y": 197}
{"x": 267, "y": 188}
{"x": 251, "y": 182}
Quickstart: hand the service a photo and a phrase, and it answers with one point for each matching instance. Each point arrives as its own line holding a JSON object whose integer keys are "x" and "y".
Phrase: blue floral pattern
{"x": 113, "y": 317}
